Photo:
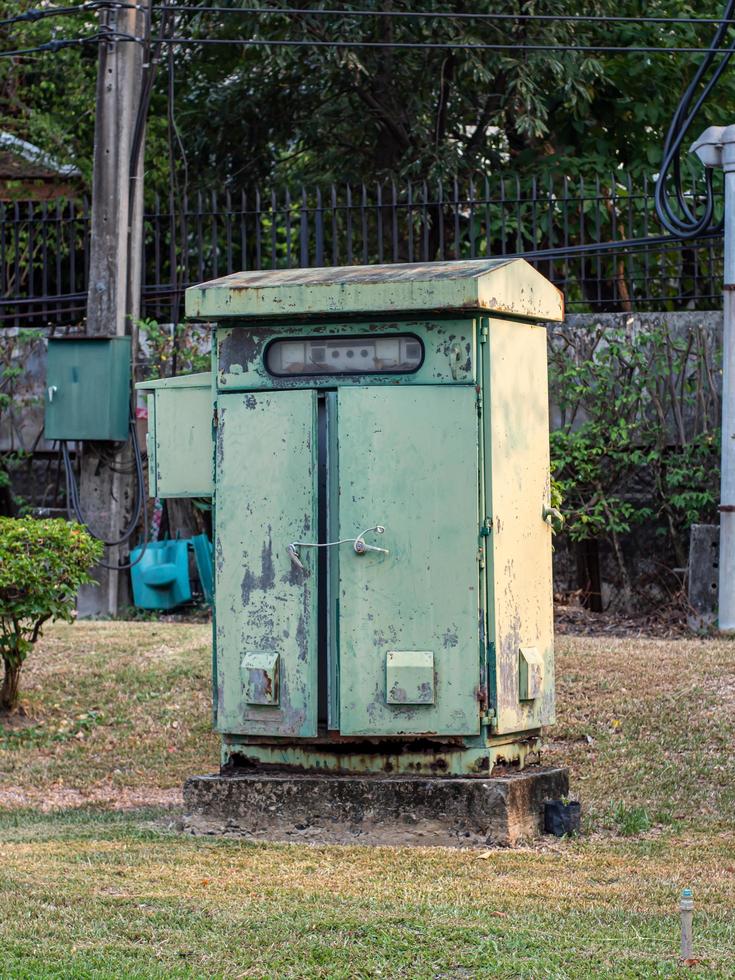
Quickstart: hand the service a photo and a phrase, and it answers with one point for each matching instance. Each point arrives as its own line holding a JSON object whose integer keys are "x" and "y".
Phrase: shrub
{"x": 639, "y": 409}
{"x": 16, "y": 348}
{"x": 42, "y": 565}
{"x": 168, "y": 350}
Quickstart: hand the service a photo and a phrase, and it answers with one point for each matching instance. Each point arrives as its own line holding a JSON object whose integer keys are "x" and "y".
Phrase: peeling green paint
{"x": 266, "y": 497}
{"x": 509, "y": 286}
{"x": 408, "y": 460}
{"x": 449, "y": 353}
{"x": 404, "y": 757}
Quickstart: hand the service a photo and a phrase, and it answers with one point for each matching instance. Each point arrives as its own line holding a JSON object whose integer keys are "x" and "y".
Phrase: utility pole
{"x": 114, "y": 265}
{"x": 716, "y": 149}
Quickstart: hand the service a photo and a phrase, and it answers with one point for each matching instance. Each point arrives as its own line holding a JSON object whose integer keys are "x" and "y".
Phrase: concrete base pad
{"x": 373, "y": 809}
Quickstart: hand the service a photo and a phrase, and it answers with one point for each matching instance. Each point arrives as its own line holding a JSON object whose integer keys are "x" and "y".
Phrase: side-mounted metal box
{"x": 180, "y": 447}
{"x": 88, "y": 388}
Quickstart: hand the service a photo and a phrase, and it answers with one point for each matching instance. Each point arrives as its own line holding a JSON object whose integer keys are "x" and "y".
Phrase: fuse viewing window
{"x": 382, "y": 354}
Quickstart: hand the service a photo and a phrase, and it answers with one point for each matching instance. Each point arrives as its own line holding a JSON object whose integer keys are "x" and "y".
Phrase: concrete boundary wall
{"x": 583, "y": 326}
{"x": 20, "y": 427}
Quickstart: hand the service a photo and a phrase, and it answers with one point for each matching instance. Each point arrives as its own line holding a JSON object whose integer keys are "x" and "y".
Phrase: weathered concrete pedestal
{"x": 373, "y": 809}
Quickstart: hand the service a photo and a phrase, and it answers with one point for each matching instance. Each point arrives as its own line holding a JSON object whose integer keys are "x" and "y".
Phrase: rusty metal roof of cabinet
{"x": 509, "y": 287}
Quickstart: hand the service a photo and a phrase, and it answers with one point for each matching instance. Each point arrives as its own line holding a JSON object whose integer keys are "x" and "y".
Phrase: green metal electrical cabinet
{"x": 179, "y": 440}
{"x": 88, "y": 388}
{"x": 383, "y": 594}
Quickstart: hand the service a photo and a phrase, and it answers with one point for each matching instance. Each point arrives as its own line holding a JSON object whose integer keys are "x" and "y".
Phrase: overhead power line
{"x": 447, "y": 15}
{"x": 67, "y": 42}
{"x": 92, "y": 5}
{"x": 57, "y": 44}
{"x": 441, "y": 45}
{"x": 41, "y": 13}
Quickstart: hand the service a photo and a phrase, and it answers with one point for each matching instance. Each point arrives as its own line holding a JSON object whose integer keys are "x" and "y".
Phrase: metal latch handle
{"x": 359, "y": 545}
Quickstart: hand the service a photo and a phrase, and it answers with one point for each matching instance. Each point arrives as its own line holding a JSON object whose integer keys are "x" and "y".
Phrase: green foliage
{"x": 639, "y": 412}
{"x": 183, "y": 349}
{"x": 48, "y": 99}
{"x": 15, "y": 348}
{"x": 364, "y": 113}
{"x": 631, "y": 820}
{"x": 42, "y": 565}
{"x": 251, "y": 113}
{"x": 557, "y": 494}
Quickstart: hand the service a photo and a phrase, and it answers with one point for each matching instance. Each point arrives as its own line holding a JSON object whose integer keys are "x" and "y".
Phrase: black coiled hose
{"x": 684, "y": 223}
{"x": 74, "y": 508}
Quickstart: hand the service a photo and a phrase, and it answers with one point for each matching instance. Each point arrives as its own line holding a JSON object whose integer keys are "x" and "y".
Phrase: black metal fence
{"x": 44, "y": 248}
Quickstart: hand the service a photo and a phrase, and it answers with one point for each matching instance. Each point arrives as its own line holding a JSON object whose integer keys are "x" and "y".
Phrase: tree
{"x": 250, "y": 114}
{"x": 42, "y": 565}
{"x": 320, "y": 113}
{"x": 48, "y": 98}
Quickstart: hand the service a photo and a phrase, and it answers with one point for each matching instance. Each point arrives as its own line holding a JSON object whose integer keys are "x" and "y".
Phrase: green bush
{"x": 42, "y": 565}
{"x": 639, "y": 409}
{"x": 15, "y": 351}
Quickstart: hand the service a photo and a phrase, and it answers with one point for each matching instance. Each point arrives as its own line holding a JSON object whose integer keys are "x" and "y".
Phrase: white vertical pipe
{"x": 726, "y": 614}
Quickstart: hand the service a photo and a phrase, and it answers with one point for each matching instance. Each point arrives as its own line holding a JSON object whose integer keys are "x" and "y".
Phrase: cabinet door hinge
{"x": 486, "y": 528}
{"x": 488, "y": 718}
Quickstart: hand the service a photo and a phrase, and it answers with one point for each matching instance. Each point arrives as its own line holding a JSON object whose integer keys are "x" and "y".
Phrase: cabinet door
{"x": 266, "y": 606}
{"x": 408, "y": 621}
{"x": 180, "y": 441}
{"x": 521, "y": 618}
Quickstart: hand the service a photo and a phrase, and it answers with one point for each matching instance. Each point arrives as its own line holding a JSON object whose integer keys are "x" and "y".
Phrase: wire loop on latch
{"x": 359, "y": 545}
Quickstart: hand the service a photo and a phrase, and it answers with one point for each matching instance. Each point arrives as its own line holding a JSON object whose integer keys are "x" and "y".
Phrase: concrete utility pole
{"x": 115, "y": 266}
{"x": 716, "y": 148}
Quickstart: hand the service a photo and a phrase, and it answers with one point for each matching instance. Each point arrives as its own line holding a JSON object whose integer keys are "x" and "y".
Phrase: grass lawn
{"x": 94, "y": 885}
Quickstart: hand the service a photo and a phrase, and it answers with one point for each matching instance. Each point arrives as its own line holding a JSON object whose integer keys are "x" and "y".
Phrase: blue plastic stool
{"x": 161, "y": 577}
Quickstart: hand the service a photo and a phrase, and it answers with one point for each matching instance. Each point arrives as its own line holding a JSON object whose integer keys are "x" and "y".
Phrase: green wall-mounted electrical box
{"x": 88, "y": 388}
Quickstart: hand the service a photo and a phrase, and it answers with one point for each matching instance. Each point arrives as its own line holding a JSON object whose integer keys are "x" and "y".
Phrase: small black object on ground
{"x": 561, "y": 819}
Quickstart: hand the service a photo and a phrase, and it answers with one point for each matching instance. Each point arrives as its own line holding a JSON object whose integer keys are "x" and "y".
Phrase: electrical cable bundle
{"x": 58, "y": 44}
{"x": 684, "y": 222}
{"x": 75, "y": 510}
{"x": 41, "y": 13}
